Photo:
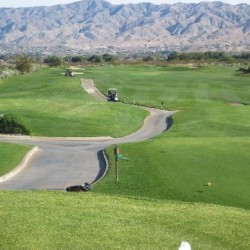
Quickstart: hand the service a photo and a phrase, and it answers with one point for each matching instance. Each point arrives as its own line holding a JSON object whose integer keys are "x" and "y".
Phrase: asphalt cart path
{"x": 62, "y": 162}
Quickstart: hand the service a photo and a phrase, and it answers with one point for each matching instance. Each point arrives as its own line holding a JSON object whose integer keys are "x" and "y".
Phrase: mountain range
{"x": 99, "y": 25}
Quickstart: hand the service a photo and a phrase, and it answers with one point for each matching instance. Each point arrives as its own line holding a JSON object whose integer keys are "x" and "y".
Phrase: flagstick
{"x": 116, "y": 153}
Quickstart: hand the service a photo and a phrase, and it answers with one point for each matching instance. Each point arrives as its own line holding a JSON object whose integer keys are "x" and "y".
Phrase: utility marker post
{"x": 116, "y": 153}
{"x": 162, "y": 103}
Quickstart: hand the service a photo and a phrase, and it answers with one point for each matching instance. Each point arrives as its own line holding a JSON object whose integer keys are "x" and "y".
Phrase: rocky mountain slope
{"x": 98, "y": 24}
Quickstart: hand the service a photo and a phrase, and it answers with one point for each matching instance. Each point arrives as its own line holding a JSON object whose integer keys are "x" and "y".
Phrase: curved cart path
{"x": 62, "y": 162}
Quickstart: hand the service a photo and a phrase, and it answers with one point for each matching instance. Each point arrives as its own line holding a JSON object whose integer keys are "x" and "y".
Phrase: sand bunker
{"x": 76, "y": 68}
{"x": 75, "y": 73}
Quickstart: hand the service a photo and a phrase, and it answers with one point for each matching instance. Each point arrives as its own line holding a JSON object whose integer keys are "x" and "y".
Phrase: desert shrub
{"x": 95, "y": 59}
{"x": 7, "y": 72}
{"x": 76, "y": 59}
{"x": 53, "y": 61}
{"x": 148, "y": 58}
{"x": 245, "y": 70}
{"x": 12, "y": 124}
{"x": 109, "y": 58}
{"x": 24, "y": 64}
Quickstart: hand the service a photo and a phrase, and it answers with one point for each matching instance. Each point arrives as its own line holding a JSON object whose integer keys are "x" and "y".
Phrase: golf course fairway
{"x": 188, "y": 184}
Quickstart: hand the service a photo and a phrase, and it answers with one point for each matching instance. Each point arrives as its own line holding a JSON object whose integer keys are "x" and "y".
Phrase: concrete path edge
{"x": 106, "y": 167}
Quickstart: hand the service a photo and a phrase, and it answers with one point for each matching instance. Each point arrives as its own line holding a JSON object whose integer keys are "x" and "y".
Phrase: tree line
{"x": 23, "y": 63}
{"x": 208, "y": 55}
{"x": 147, "y": 57}
{"x": 57, "y": 61}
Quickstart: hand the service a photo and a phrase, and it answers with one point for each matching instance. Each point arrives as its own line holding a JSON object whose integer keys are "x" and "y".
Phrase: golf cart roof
{"x": 112, "y": 89}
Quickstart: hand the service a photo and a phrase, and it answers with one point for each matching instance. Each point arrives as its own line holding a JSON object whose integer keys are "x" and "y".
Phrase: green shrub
{"x": 24, "y": 64}
{"x": 53, "y": 61}
{"x": 11, "y": 124}
{"x": 245, "y": 70}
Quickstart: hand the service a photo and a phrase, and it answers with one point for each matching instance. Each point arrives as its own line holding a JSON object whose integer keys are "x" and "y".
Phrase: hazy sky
{"x": 28, "y": 3}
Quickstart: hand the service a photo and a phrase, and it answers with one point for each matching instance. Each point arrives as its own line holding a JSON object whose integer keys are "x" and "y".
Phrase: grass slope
{"x": 208, "y": 142}
{"x": 11, "y": 155}
{"x": 178, "y": 87}
{"x": 180, "y": 169}
{"x": 52, "y": 220}
{"x": 53, "y": 105}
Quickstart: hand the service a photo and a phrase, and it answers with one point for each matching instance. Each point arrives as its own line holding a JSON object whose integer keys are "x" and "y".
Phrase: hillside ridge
{"x": 99, "y": 25}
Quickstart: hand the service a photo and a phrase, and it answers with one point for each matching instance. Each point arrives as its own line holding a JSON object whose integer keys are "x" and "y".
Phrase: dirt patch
{"x": 76, "y": 68}
{"x": 75, "y": 73}
{"x": 237, "y": 104}
{"x": 89, "y": 86}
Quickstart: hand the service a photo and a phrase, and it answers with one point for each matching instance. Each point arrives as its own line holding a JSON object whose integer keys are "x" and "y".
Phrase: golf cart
{"x": 79, "y": 188}
{"x": 112, "y": 95}
{"x": 68, "y": 73}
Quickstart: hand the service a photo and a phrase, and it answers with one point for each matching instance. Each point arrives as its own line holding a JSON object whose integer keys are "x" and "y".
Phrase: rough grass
{"x": 11, "y": 155}
{"x": 53, "y": 105}
{"x": 52, "y": 220}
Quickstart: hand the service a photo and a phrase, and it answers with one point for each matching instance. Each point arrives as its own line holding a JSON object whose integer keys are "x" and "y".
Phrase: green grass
{"x": 215, "y": 119}
{"x": 52, "y": 220}
{"x": 53, "y": 105}
{"x": 178, "y": 87}
{"x": 180, "y": 168}
{"x": 10, "y": 156}
{"x": 163, "y": 196}
{"x": 208, "y": 142}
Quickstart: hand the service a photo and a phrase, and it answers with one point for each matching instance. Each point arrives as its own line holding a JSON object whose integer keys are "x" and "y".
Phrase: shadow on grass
{"x": 169, "y": 122}
{"x": 102, "y": 166}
